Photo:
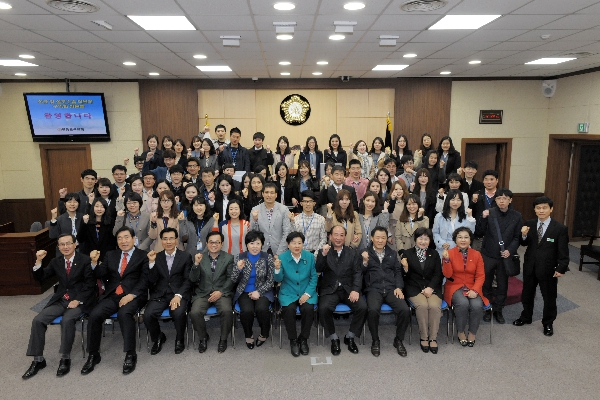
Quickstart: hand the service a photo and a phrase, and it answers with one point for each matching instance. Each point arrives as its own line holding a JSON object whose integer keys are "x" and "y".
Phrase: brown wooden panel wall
{"x": 23, "y": 212}
{"x": 523, "y": 203}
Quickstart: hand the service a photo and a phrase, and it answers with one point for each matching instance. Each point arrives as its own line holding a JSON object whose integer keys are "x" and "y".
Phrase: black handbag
{"x": 512, "y": 264}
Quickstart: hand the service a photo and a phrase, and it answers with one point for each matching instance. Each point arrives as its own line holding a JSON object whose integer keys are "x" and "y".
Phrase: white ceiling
{"x": 69, "y": 45}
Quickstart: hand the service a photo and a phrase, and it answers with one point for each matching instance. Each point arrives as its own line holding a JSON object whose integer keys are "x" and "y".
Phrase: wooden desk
{"x": 17, "y": 257}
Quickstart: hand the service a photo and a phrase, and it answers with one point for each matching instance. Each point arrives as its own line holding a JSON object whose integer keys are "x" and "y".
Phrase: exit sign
{"x": 583, "y": 127}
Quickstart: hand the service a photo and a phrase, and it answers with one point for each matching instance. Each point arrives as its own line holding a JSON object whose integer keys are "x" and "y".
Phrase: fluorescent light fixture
{"x": 464, "y": 21}
{"x": 445, "y": 73}
{"x": 285, "y": 36}
{"x": 200, "y": 56}
{"x": 389, "y": 67}
{"x": 284, "y": 63}
{"x": 337, "y": 37}
{"x": 163, "y": 23}
{"x": 354, "y": 6}
{"x": 103, "y": 24}
{"x": 26, "y": 56}
{"x": 550, "y": 60}
{"x": 284, "y": 73}
{"x": 154, "y": 73}
{"x": 317, "y": 73}
{"x": 129, "y": 63}
{"x": 409, "y": 55}
{"x": 388, "y": 40}
{"x": 322, "y": 62}
{"x": 21, "y": 74}
{"x": 231, "y": 41}
{"x": 284, "y": 6}
{"x": 16, "y": 63}
{"x": 344, "y": 27}
{"x": 475, "y": 62}
{"x": 5, "y": 6}
{"x": 213, "y": 68}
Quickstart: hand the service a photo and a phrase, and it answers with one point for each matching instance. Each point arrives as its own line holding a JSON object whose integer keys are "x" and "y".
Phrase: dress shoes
{"x": 222, "y": 346}
{"x": 179, "y": 346}
{"x": 92, "y": 360}
{"x": 400, "y": 347}
{"x": 433, "y": 350}
{"x": 487, "y": 316}
{"x": 376, "y": 348}
{"x": 424, "y": 349}
{"x": 499, "y": 317}
{"x": 303, "y": 346}
{"x": 157, "y": 346}
{"x": 202, "y": 344}
{"x": 295, "y": 348}
{"x": 129, "y": 363}
{"x": 64, "y": 367}
{"x": 548, "y": 330}
{"x": 352, "y": 348}
{"x": 520, "y": 322}
{"x": 250, "y": 345}
{"x": 34, "y": 368}
{"x": 335, "y": 347}
{"x": 260, "y": 342}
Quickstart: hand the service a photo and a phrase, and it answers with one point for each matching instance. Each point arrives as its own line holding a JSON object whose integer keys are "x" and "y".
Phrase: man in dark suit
{"x": 235, "y": 153}
{"x": 210, "y": 277}
{"x": 469, "y": 184}
{"x": 169, "y": 289}
{"x": 329, "y": 195}
{"x": 120, "y": 187}
{"x": 73, "y": 296}
{"x": 260, "y": 155}
{"x": 546, "y": 260}
{"x": 89, "y": 177}
{"x": 124, "y": 273}
{"x": 341, "y": 282}
{"x": 169, "y": 157}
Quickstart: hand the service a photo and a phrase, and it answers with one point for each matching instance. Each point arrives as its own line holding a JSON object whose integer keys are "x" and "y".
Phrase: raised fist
{"x": 40, "y": 254}
{"x": 136, "y": 151}
{"x": 152, "y": 256}
{"x": 216, "y": 216}
{"x": 211, "y": 196}
{"x": 441, "y": 191}
{"x": 198, "y": 258}
{"x": 181, "y": 217}
{"x": 404, "y": 263}
{"x": 255, "y": 215}
{"x": 475, "y": 197}
{"x": 62, "y": 192}
{"x": 291, "y": 217}
{"x": 149, "y": 155}
{"x": 485, "y": 213}
{"x": 412, "y": 185}
{"x": 241, "y": 264}
{"x": 153, "y": 217}
{"x": 277, "y": 263}
{"x": 445, "y": 254}
{"x": 121, "y": 213}
{"x": 442, "y": 163}
{"x": 365, "y": 257}
{"x": 177, "y": 199}
{"x": 329, "y": 208}
{"x": 268, "y": 148}
{"x": 91, "y": 197}
{"x": 386, "y": 204}
{"x": 189, "y": 152}
{"x": 469, "y": 212}
{"x": 95, "y": 255}
{"x": 524, "y": 230}
{"x": 86, "y": 218}
{"x": 54, "y": 213}
{"x": 460, "y": 171}
{"x": 421, "y": 212}
{"x": 326, "y": 249}
{"x": 245, "y": 192}
{"x": 125, "y": 161}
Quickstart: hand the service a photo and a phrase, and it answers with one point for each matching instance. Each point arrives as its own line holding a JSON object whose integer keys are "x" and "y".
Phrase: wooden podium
{"x": 17, "y": 257}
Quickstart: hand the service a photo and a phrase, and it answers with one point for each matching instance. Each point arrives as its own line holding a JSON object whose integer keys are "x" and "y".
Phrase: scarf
{"x": 421, "y": 254}
{"x": 364, "y": 164}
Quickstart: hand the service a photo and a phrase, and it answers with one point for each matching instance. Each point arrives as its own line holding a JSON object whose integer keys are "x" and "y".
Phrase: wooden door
{"x": 584, "y": 209}
{"x": 489, "y": 154}
{"x": 61, "y": 167}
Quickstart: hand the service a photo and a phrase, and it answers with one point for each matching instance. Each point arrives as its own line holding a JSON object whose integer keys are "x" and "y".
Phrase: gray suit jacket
{"x": 187, "y": 231}
{"x": 382, "y": 219}
{"x": 141, "y": 229}
{"x": 276, "y": 230}
{"x": 63, "y": 225}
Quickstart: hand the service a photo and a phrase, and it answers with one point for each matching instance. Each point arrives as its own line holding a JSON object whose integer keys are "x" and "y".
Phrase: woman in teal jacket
{"x": 295, "y": 269}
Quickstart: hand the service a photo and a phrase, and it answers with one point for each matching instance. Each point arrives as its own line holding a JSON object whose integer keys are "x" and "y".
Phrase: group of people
{"x": 181, "y": 234}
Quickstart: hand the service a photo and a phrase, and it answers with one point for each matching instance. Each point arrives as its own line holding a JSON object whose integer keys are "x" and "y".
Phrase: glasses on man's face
{"x": 166, "y": 201}
{"x": 69, "y": 244}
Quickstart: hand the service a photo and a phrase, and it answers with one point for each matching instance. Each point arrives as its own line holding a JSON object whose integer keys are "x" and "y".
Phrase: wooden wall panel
{"x": 381, "y": 101}
{"x": 23, "y": 212}
{"x": 352, "y": 103}
{"x": 239, "y": 103}
{"x": 557, "y": 175}
{"x": 210, "y": 102}
{"x": 523, "y": 203}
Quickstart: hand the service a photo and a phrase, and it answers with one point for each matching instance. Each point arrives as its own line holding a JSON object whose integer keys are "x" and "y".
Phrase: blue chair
{"x": 166, "y": 316}
{"x": 485, "y": 308}
{"x": 236, "y": 315}
{"x": 340, "y": 309}
{"x": 316, "y": 322}
{"x": 445, "y": 310}
{"x": 113, "y": 318}
{"x": 81, "y": 319}
{"x": 210, "y": 313}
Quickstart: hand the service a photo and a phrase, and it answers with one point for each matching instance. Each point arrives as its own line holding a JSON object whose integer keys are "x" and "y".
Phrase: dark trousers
{"x": 307, "y": 316}
{"x": 37, "y": 338}
{"x": 224, "y": 308}
{"x": 125, "y": 315}
{"x": 154, "y": 310}
{"x": 248, "y": 308}
{"x": 495, "y": 267}
{"x": 327, "y": 304}
{"x": 374, "y": 301}
{"x": 549, "y": 293}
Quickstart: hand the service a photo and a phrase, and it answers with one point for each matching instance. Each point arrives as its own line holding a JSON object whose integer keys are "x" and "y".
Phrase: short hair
{"x": 259, "y": 168}
{"x": 462, "y": 229}
{"x": 269, "y": 185}
{"x": 125, "y": 228}
{"x": 176, "y": 169}
{"x": 75, "y": 196}
{"x": 337, "y": 226}
{"x": 146, "y": 173}
{"x": 258, "y": 135}
{"x": 406, "y": 158}
{"x": 132, "y": 196}
{"x": 471, "y": 164}
{"x": 228, "y": 165}
{"x": 491, "y": 172}
{"x": 379, "y": 229}
{"x": 354, "y": 161}
{"x": 454, "y": 177}
{"x": 192, "y": 159}
{"x": 62, "y": 235}
{"x": 208, "y": 171}
{"x": 504, "y": 192}
{"x": 338, "y": 168}
{"x": 293, "y": 235}
{"x": 152, "y": 137}
{"x": 220, "y": 126}
{"x": 90, "y": 172}
{"x": 424, "y": 231}
{"x": 104, "y": 182}
{"x": 235, "y": 130}
{"x": 137, "y": 159}
{"x": 167, "y": 230}
{"x": 537, "y": 201}
{"x": 255, "y": 235}
{"x": 168, "y": 153}
{"x": 308, "y": 193}
{"x": 215, "y": 233}
{"x": 391, "y": 161}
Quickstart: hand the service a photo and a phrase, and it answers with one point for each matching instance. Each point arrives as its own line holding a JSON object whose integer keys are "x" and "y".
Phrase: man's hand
{"x": 125, "y": 161}
{"x": 365, "y": 257}
{"x": 524, "y": 230}
{"x": 40, "y": 254}
{"x": 255, "y": 215}
{"x": 86, "y": 218}
{"x": 460, "y": 170}
{"x": 469, "y": 212}
{"x": 354, "y": 296}
{"x": 95, "y": 255}
{"x": 557, "y": 274}
{"x": 136, "y": 151}
{"x": 62, "y": 193}
{"x": 485, "y": 213}
{"x": 398, "y": 293}
{"x": 214, "y": 296}
{"x": 329, "y": 208}
{"x": 73, "y": 304}
{"x": 241, "y": 264}
{"x": 325, "y": 249}
{"x": 175, "y": 302}
{"x": 126, "y": 299}
{"x": 121, "y": 191}
{"x": 291, "y": 217}
{"x": 268, "y": 148}
{"x": 152, "y": 256}
{"x": 121, "y": 213}
{"x": 294, "y": 202}
{"x": 211, "y": 196}
{"x": 475, "y": 197}
{"x": 54, "y": 213}
{"x": 91, "y": 197}
{"x": 505, "y": 254}
{"x": 197, "y": 258}
{"x": 303, "y": 299}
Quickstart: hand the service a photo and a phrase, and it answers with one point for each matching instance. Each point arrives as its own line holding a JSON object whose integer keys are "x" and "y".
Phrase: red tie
{"x": 119, "y": 290}
{"x": 66, "y": 295}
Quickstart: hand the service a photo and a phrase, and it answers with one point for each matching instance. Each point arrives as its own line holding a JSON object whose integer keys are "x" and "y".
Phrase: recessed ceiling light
{"x": 213, "y": 68}
{"x": 129, "y": 63}
{"x": 284, "y": 73}
{"x": 27, "y": 56}
{"x": 317, "y": 73}
{"x": 389, "y": 67}
{"x": 445, "y": 73}
{"x": 16, "y": 63}
{"x": 550, "y": 60}
{"x": 285, "y": 36}
{"x": 201, "y": 56}
{"x": 475, "y": 62}
{"x": 284, "y": 6}
{"x": 337, "y": 37}
{"x": 284, "y": 63}
{"x": 322, "y": 62}
{"x": 464, "y": 21}
{"x": 21, "y": 74}
{"x": 163, "y": 23}
{"x": 354, "y": 6}
{"x": 410, "y": 55}
{"x": 154, "y": 73}
{"x": 5, "y": 6}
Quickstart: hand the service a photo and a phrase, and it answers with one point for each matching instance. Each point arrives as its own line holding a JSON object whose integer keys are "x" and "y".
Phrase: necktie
{"x": 73, "y": 230}
{"x": 66, "y": 295}
{"x": 122, "y": 268}
{"x": 213, "y": 265}
{"x": 540, "y": 232}
{"x": 170, "y": 259}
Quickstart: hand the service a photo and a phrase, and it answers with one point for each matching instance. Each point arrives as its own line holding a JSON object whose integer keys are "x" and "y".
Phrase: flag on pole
{"x": 388, "y": 133}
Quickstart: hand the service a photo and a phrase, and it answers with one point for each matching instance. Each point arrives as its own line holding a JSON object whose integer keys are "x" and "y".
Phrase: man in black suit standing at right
{"x": 124, "y": 273}
{"x": 329, "y": 194}
{"x": 546, "y": 260}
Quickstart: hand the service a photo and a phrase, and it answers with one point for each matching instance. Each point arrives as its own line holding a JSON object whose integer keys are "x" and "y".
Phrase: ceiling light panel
{"x": 464, "y": 21}
{"x": 214, "y": 68}
{"x": 5, "y": 6}
{"x": 16, "y": 63}
{"x": 384, "y": 67}
{"x": 163, "y": 23}
{"x": 550, "y": 61}
{"x": 284, "y": 6}
{"x": 353, "y": 6}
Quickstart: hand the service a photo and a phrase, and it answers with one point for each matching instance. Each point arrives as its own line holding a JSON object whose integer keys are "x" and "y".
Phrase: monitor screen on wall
{"x": 67, "y": 117}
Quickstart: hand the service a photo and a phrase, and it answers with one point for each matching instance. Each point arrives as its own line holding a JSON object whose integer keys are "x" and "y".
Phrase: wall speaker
{"x": 549, "y": 88}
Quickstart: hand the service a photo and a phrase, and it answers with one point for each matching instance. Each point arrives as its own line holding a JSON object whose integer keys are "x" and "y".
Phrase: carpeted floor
{"x": 521, "y": 362}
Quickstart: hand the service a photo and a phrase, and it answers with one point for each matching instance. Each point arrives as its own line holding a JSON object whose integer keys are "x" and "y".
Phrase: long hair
{"x": 388, "y": 184}
{"x": 410, "y": 199}
{"x": 212, "y": 150}
{"x": 418, "y": 186}
{"x": 379, "y": 195}
{"x": 184, "y": 203}
{"x": 304, "y": 163}
{"x": 306, "y": 149}
{"x": 167, "y": 194}
{"x": 337, "y": 210}
{"x": 424, "y": 149}
{"x": 451, "y": 150}
{"x": 252, "y": 195}
{"x": 376, "y": 210}
{"x": 240, "y": 205}
{"x": 106, "y": 217}
{"x": 461, "y": 210}
{"x": 426, "y": 160}
{"x": 287, "y": 149}
{"x": 340, "y": 148}
{"x": 193, "y": 217}
{"x": 380, "y": 140}
{"x": 355, "y": 150}
{"x": 218, "y": 193}
{"x": 405, "y": 191}
{"x": 406, "y": 150}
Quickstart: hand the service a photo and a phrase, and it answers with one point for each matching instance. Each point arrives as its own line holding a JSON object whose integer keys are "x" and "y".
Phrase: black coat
{"x": 417, "y": 278}
{"x": 242, "y": 159}
{"x": 342, "y": 157}
{"x": 344, "y": 269}
{"x": 318, "y": 160}
{"x": 475, "y": 187}
{"x": 260, "y": 157}
{"x": 329, "y": 195}
{"x": 88, "y": 241}
{"x": 385, "y": 275}
{"x": 550, "y": 255}
{"x": 164, "y": 285}
{"x": 453, "y": 162}
{"x": 134, "y": 280}
{"x": 289, "y": 191}
{"x": 510, "y": 223}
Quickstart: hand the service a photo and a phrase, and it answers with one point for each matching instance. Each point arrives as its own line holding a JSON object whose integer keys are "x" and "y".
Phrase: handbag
{"x": 512, "y": 264}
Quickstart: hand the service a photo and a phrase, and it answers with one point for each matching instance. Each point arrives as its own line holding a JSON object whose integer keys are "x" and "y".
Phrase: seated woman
{"x": 342, "y": 213}
{"x": 465, "y": 273}
{"x": 234, "y": 228}
{"x": 295, "y": 269}
{"x": 410, "y": 220}
{"x": 196, "y": 226}
{"x": 423, "y": 287}
{"x": 253, "y": 274}
{"x": 371, "y": 215}
{"x": 452, "y": 216}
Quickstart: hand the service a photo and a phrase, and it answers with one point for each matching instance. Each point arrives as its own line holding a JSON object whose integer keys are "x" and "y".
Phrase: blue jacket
{"x": 297, "y": 278}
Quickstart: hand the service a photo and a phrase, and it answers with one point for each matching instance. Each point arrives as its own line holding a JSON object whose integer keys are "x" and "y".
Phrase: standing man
{"x": 169, "y": 289}
{"x": 309, "y": 223}
{"x": 271, "y": 218}
{"x": 484, "y": 200}
{"x": 384, "y": 284}
{"x": 235, "y": 153}
{"x": 355, "y": 181}
{"x": 125, "y": 276}
{"x": 89, "y": 177}
{"x": 469, "y": 184}
{"x": 120, "y": 187}
{"x": 546, "y": 260}
{"x": 260, "y": 155}
{"x": 74, "y": 295}
{"x": 341, "y": 282}
{"x": 193, "y": 169}
{"x": 510, "y": 223}
{"x": 169, "y": 157}
{"x": 329, "y": 194}
{"x": 220, "y": 142}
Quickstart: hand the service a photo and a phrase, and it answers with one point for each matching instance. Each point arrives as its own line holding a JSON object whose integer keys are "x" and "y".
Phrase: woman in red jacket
{"x": 464, "y": 272}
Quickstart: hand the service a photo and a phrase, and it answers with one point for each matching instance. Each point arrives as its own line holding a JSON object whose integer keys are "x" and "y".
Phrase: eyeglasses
{"x": 65, "y": 244}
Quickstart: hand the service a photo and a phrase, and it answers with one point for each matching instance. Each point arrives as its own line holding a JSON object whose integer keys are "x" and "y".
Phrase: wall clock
{"x": 294, "y": 109}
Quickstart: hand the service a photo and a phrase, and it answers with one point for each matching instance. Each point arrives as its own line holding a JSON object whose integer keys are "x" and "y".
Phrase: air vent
{"x": 76, "y": 6}
{"x": 423, "y": 5}
{"x": 579, "y": 54}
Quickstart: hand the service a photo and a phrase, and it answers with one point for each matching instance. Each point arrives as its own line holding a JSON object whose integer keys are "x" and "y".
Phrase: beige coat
{"x": 404, "y": 233}
{"x": 352, "y": 228}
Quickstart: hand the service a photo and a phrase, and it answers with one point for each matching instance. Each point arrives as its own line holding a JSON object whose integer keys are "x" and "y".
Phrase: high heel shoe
{"x": 260, "y": 342}
{"x": 463, "y": 342}
{"x": 424, "y": 348}
{"x": 250, "y": 344}
{"x": 434, "y": 350}
{"x": 471, "y": 343}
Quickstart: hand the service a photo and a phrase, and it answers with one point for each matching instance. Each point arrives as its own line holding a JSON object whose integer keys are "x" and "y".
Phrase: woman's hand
{"x": 446, "y": 246}
{"x": 153, "y": 217}
{"x": 303, "y": 299}
{"x": 254, "y": 295}
{"x": 404, "y": 263}
{"x": 181, "y": 217}
{"x": 355, "y": 239}
{"x": 445, "y": 255}
{"x": 86, "y": 218}
{"x": 472, "y": 294}
{"x": 427, "y": 292}
{"x": 294, "y": 202}
{"x": 421, "y": 212}
{"x": 245, "y": 192}
{"x": 241, "y": 264}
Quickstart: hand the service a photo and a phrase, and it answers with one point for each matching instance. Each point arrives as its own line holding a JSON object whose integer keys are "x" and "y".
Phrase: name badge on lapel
{"x": 550, "y": 239}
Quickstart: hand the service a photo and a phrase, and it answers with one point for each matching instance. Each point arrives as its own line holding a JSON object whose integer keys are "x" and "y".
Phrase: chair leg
{"x": 281, "y": 334}
{"x": 82, "y": 339}
{"x": 137, "y": 325}
{"x": 410, "y": 328}
{"x": 447, "y": 324}
{"x": 453, "y": 325}
{"x": 580, "y": 260}
{"x": 233, "y": 330}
